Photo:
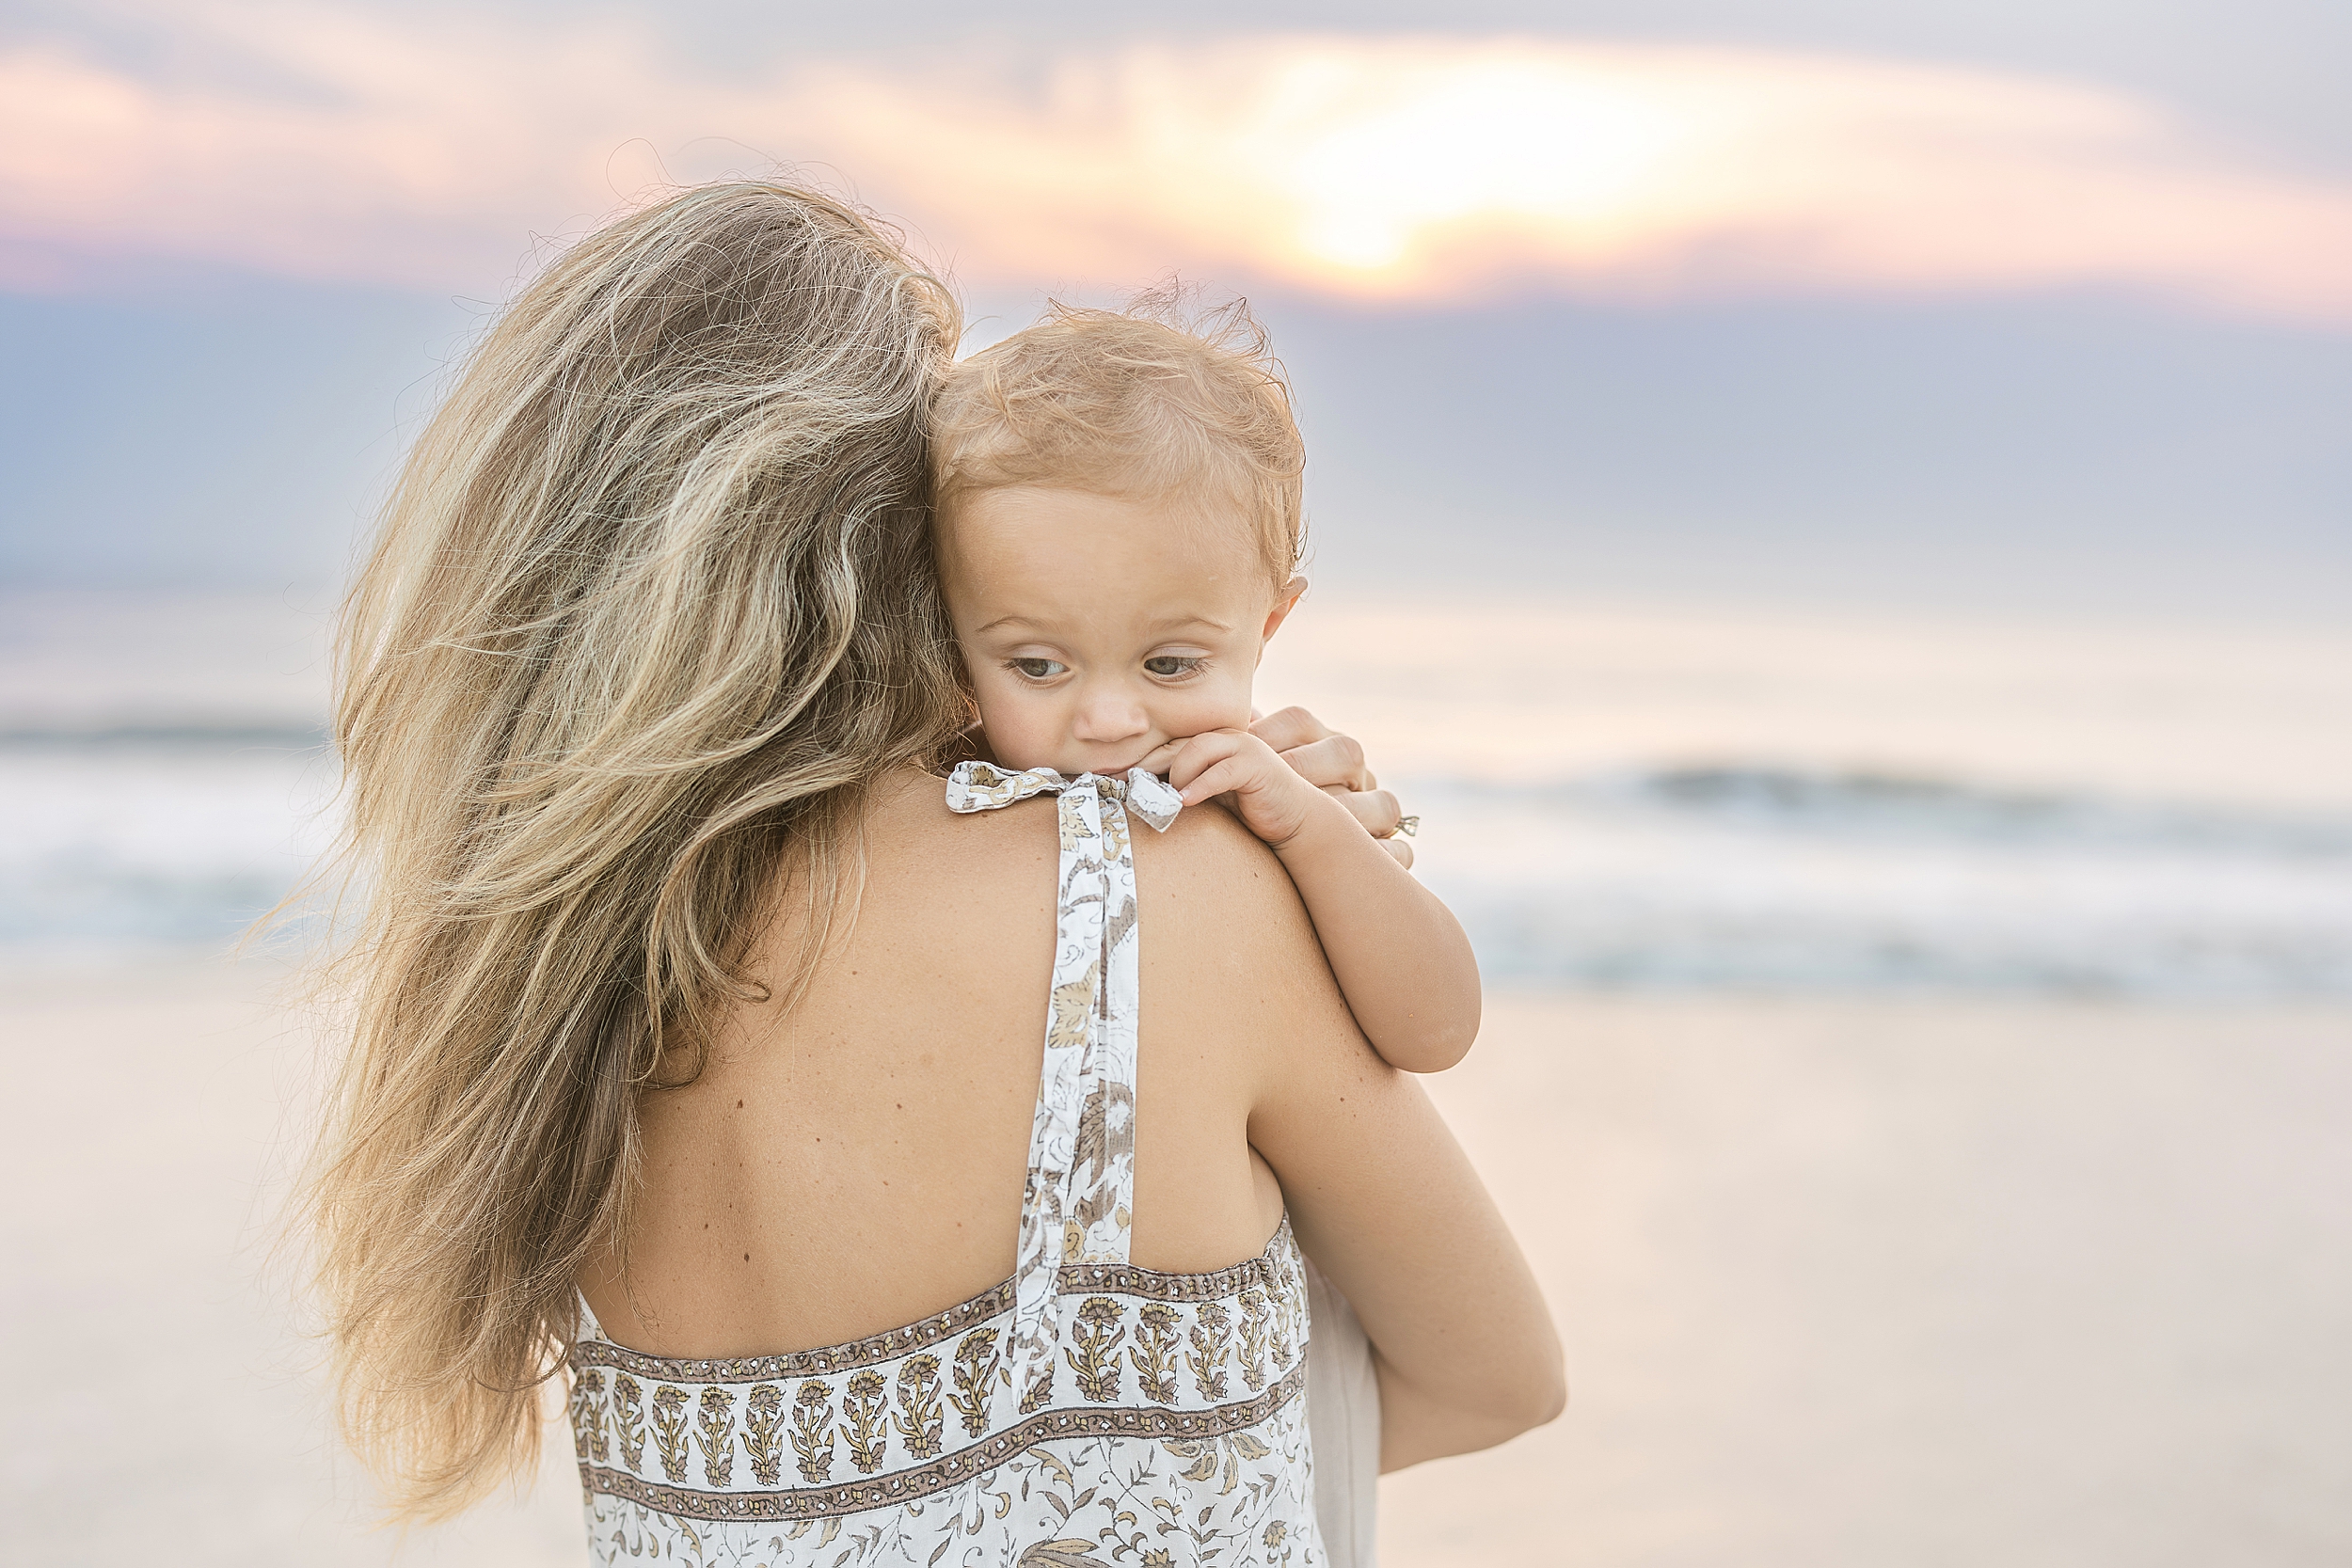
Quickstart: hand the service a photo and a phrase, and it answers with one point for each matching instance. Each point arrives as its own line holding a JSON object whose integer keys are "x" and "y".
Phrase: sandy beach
{"x": 1919, "y": 1282}
{"x": 1842, "y": 1282}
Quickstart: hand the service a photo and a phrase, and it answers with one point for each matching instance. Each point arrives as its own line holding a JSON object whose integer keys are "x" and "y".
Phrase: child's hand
{"x": 1273, "y": 799}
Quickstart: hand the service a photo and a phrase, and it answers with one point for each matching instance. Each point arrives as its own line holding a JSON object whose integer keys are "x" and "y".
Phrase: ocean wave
{"x": 1600, "y": 938}
{"x": 96, "y": 899}
{"x": 177, "y": 835}
{"x": 1867, "y": 803}
{"x": 181, "y": 736}
{"x": 1748, "y": 877}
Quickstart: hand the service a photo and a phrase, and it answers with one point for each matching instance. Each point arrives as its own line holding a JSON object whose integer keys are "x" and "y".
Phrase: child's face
{"x": 1098, "y": 629}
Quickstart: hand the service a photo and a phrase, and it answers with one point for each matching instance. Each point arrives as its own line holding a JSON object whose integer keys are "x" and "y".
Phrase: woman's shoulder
{"x": 1211, "y": 890}
{"x": 907, "y": 814}
{"x": 1208, "y": 859}
{"x": 906, "y": 820}
{"x": 1229, "y": 941}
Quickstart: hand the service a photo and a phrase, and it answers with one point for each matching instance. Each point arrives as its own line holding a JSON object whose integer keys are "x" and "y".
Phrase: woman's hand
{"x": 1334, "y": 763}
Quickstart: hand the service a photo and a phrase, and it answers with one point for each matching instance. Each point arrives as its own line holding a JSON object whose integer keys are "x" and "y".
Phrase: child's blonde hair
{"x": 1140, "y": 402}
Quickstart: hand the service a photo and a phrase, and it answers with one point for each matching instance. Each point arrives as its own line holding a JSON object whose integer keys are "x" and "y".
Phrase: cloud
{"x": 1389, "y": 168}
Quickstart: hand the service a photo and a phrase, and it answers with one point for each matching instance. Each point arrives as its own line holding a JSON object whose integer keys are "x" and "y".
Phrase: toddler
{"x": 1119, "y": 535}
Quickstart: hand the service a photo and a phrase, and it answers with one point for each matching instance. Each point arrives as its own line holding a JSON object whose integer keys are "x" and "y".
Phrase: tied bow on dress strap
{"x": 1077, "y": 1207}
{"x": 983, "y": 787}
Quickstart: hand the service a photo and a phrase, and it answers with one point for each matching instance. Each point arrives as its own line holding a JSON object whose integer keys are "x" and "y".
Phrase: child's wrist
{"x": 1321, "y": 824}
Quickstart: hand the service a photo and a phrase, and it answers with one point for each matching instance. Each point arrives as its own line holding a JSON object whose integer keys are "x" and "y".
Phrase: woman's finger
{"x": 1402, "y": 849}
{"x": 1292, "y": 726}
{"x": 1377, "y": 809}
{"x": 1335, "y": 759}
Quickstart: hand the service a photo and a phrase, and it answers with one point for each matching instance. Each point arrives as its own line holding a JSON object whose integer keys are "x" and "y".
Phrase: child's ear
{"x": 1284, "y": 603}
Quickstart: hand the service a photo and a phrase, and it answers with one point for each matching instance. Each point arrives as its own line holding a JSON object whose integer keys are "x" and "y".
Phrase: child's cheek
{"x": 1021, "y": 725}
{"x": 1220, "y": 703}
{"x": 1240, "y": 692}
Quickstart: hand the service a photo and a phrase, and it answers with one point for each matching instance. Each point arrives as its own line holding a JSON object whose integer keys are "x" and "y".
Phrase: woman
{"x": 696, "y": 1040}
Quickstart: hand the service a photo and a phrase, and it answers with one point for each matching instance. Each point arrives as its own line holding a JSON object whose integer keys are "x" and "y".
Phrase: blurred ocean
{"x": 163, "y": 769}
{"x": 1680, "y": 800}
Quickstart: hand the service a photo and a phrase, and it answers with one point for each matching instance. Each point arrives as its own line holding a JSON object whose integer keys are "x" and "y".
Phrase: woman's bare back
{"x": 858, "y": 1164}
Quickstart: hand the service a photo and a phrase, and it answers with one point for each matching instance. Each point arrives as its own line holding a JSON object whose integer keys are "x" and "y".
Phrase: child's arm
{"x": 1396, "y": 951}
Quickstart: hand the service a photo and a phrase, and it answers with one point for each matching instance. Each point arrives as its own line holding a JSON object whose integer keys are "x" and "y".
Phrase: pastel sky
{"x": 356, "y": 146}
{"x": 1627, "y": 183}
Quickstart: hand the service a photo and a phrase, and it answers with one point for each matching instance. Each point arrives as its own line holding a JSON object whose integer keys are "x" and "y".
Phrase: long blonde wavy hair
{"x": 652, "y": 603}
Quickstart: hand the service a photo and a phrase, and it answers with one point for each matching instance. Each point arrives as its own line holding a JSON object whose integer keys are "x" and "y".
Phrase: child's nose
{"x": 1109, "y": 714}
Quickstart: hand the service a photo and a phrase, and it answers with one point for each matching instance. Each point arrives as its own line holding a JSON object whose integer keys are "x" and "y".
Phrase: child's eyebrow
{"x": 1172, "y": 623}
{"x": 1006, "y": 621}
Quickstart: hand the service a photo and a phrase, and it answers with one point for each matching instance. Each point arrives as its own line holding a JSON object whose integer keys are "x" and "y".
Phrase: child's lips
{"x": 1116, "y": 766}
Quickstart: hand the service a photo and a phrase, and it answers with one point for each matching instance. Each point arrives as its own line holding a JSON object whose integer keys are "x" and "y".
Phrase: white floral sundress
{"x": 1084, "y": 1414}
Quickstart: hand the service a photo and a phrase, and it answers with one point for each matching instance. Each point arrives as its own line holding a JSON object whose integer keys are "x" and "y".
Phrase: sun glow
{"x": 1489, "y": 140}
{"x": 1385, "y": 167}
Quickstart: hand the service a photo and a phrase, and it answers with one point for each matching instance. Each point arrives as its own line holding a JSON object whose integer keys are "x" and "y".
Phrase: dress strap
{"x": 1079, "y": 1205}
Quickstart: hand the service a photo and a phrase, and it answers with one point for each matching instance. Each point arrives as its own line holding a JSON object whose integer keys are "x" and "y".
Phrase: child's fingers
{"x": 1201, "y": 752}
{"x": 1162, "y": 757}
{"x": 1232, "y": 773}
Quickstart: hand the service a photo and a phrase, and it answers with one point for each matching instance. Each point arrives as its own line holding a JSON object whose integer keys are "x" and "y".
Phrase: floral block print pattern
{"x": 1084, "y": 1412}
{"x": 1082, "y": 1145}
{"x": 865, "y": 1429}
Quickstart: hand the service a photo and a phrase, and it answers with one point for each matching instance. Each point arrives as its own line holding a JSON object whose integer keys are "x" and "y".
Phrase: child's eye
{"x": 1172, "y": 664}
{"x": 1037, "y": 669}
